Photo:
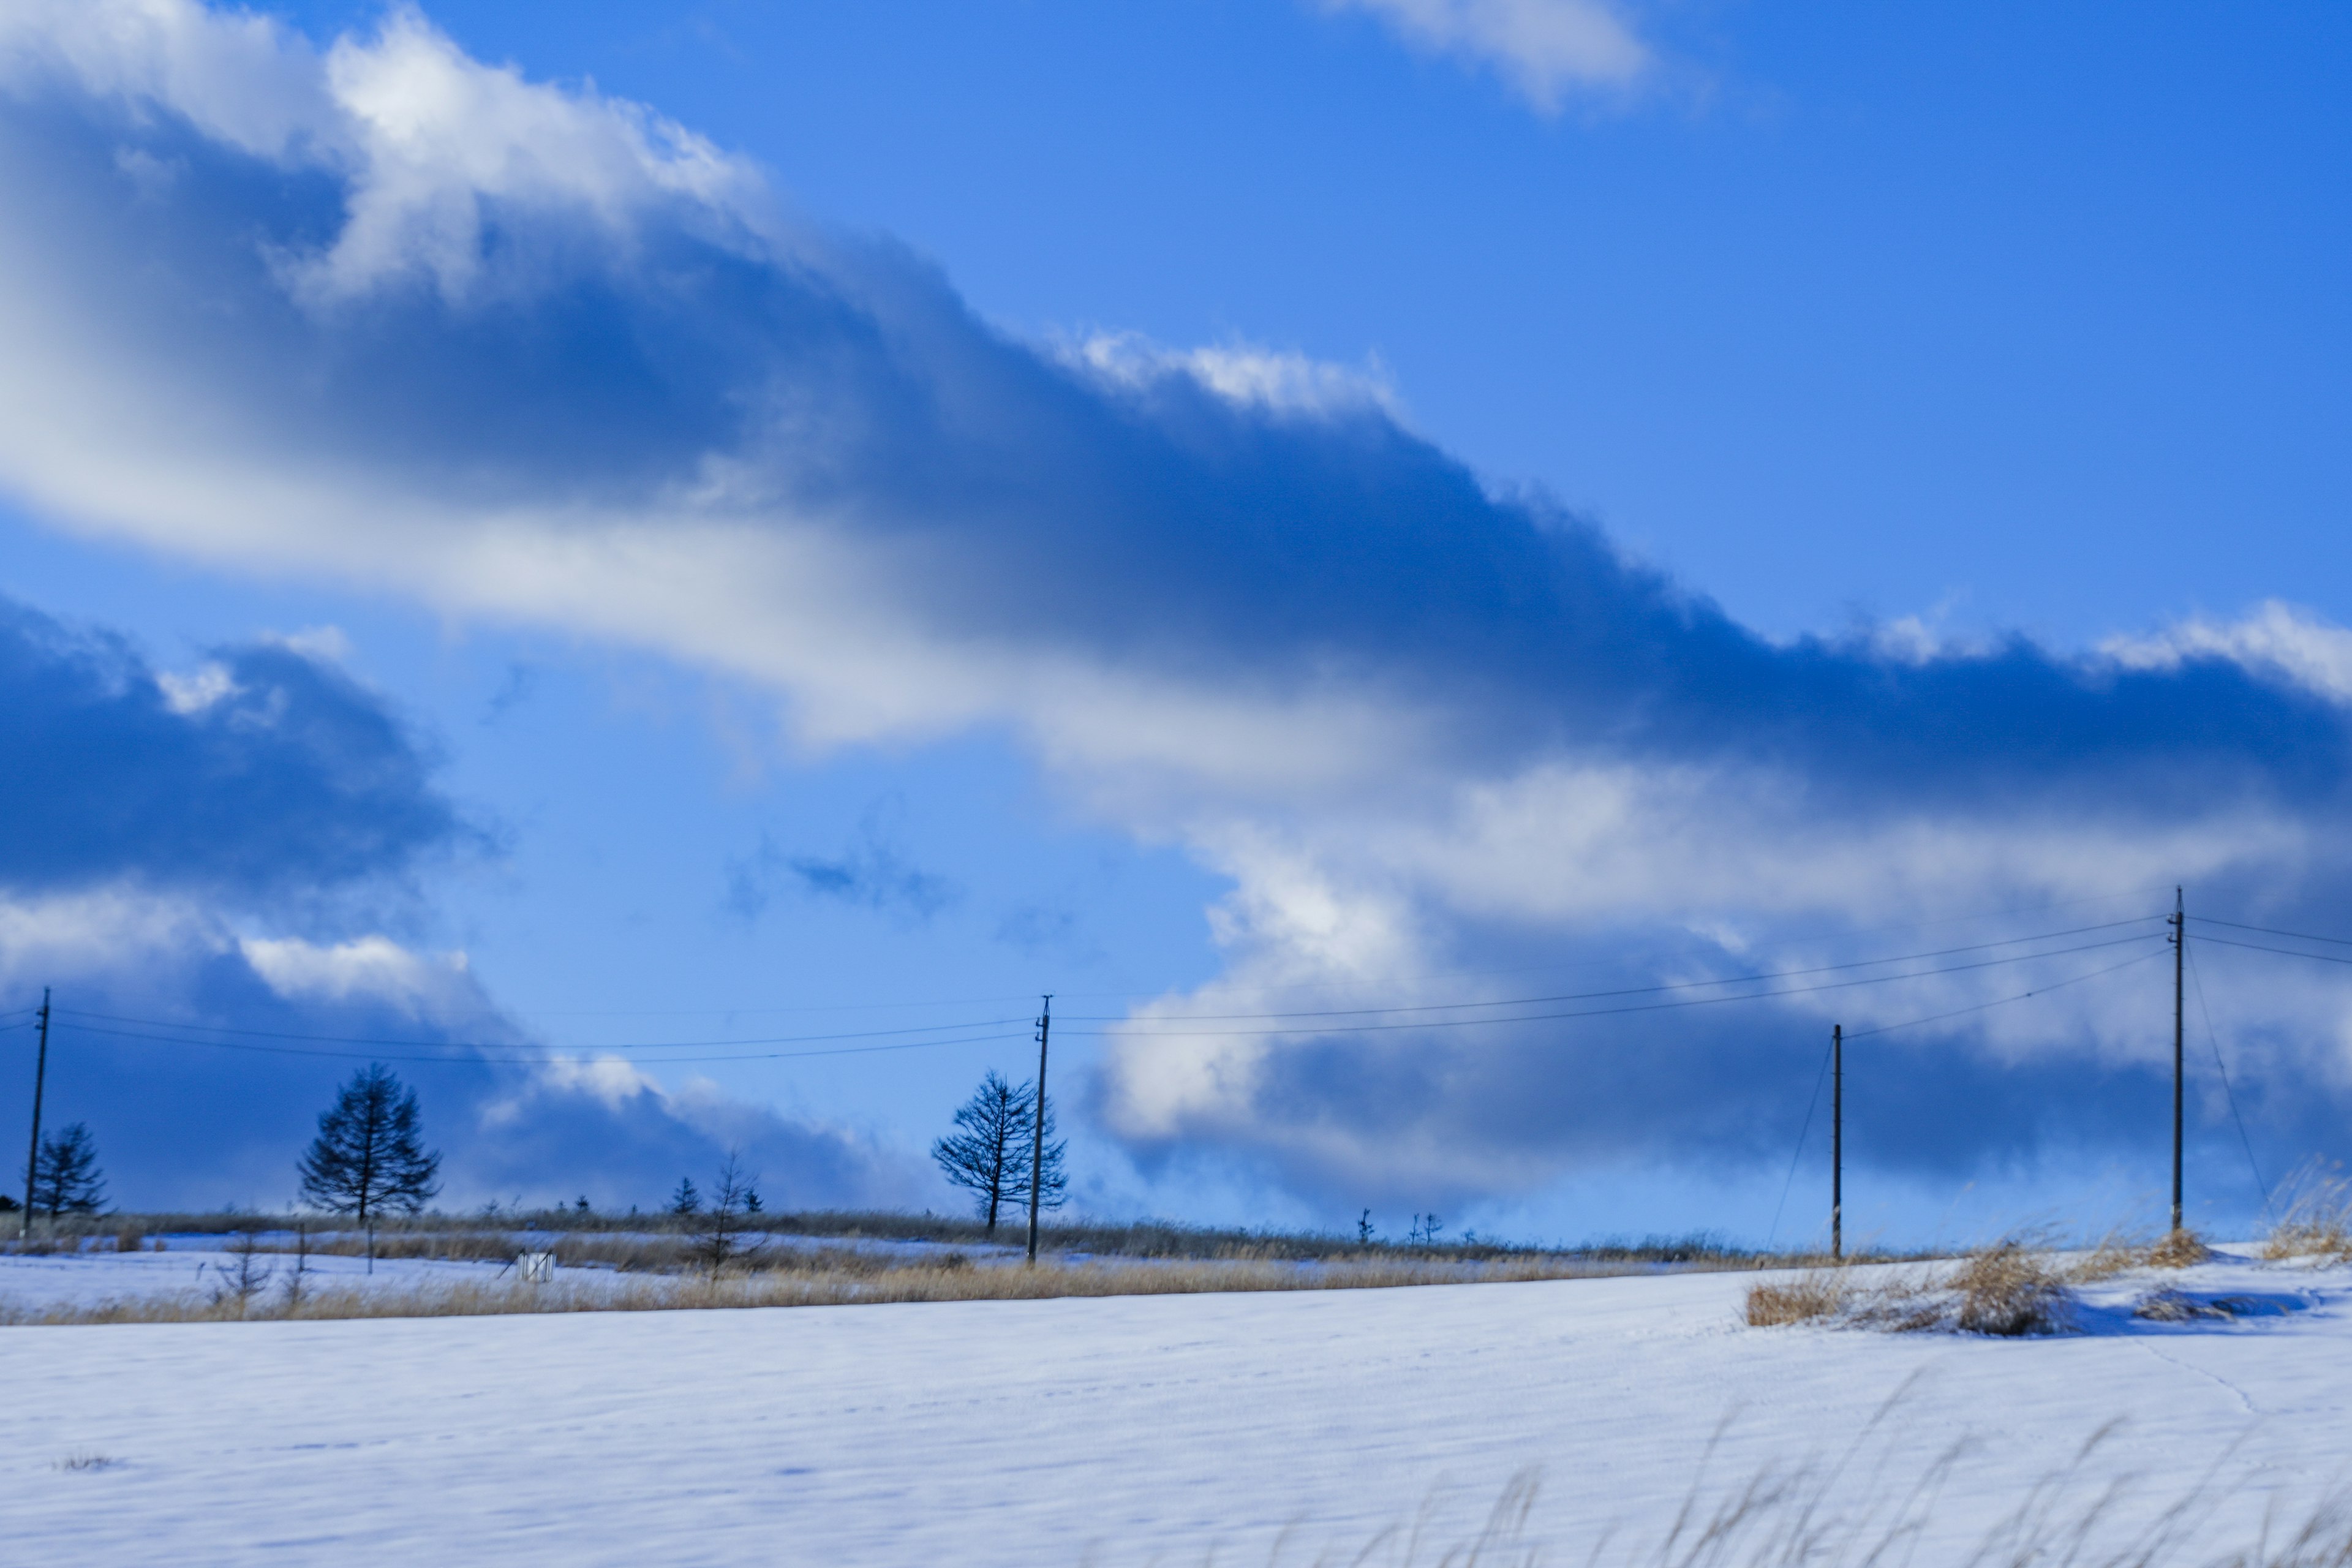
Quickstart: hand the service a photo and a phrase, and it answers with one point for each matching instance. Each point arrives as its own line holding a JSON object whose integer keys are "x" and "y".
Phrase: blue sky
{"x": 815, "y": 520}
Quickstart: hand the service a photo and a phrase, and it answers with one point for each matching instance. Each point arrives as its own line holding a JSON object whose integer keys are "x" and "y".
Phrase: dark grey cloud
{"x": 268, "y": 771}
{"x": 204, "y": 1103}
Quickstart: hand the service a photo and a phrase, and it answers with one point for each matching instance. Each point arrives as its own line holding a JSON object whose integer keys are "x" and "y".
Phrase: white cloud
{"x": 196, "y": 690}
{"x": 1548, "y": 49}
{"x": 1243, "y": 373}
{"x": 1284, "y": 632}
{"x": 2274, "y": 636}
{"x": 368, "y": 969}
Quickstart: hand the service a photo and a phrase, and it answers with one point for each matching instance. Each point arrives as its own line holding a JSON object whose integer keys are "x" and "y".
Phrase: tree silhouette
{"x": 989, "y": 1156}
{"x": 369, "y": 1158}
{"x": 65, "y": 1177}
{"x": 687, "y": 1200}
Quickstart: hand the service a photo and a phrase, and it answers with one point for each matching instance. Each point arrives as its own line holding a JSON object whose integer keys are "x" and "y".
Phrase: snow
{"x": 1124, "y": 1429}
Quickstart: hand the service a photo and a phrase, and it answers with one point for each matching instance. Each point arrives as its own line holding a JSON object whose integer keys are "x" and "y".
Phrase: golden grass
{"x": 2011, "y": 1287}
{"x": 1809, "y": 1297}
{"x": 869, "y": 1283}
{"x": 2315, "y": 1219}
{"x": 2180, "y": 1250}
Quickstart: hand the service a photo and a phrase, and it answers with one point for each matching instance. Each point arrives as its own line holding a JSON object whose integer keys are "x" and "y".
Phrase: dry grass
{"x": 833, "y": 1280}
{"x": 1882, "y": 1503}
{"x": 2011, "y": 1287}
{"x": 1806, "y": 1298}
{"x": 2180, "y": 1250}
{"x": 2315, "y": 1219}
{"x": 502, "y": 1233}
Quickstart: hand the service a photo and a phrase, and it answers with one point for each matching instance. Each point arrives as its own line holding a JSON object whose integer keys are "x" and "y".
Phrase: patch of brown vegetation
{"x": 2315, "y": 1219}
{"x": 834, "y": 1277}
{"x": 1806, "y": 1298}
{"x": 2011, "y": 1287}
{"x": 2180, "y": 1250}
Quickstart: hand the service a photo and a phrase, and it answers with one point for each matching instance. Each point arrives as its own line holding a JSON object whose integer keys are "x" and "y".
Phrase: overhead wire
{"x": 2282, "y": 952}
{"x": 2272, "y": 931}
{"x": 1999, "y": 1001}
{"x": 1147, "y": 1034}
{"x": 552, "y": 1053}
{"x": 510, "y": 1044}
{"x": 1798, "y": 1153}
{"x": 2228, "y": 1093}
{"x": 1639, "y": 990}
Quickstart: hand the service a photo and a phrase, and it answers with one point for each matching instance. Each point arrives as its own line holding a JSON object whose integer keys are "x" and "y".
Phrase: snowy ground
{"x": 1118, "y": 1430}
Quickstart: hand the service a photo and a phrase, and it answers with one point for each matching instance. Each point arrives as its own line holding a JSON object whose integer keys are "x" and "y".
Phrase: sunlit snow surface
{"x": 1128, "y": 1429}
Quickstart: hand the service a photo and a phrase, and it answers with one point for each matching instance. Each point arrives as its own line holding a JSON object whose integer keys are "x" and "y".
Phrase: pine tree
{"x": 65, "y": 1177}
{"x": 989, "y": 1157}
{"x": 369, "y": 1158}
{"x": 687, "y": 1200}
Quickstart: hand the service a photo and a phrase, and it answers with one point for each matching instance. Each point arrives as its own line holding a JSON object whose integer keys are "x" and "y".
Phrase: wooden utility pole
{"x": 2179, "y": 923}
{"x": 1837, "y": 1141}
{"x": 40, "y": 1075}
{"x": 1037, "y": 1129}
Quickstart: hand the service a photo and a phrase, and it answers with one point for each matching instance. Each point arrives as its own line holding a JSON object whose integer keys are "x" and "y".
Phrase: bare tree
{"x": 65, "y": 1177}
{"x": 720, "y": 1225}
{"x": 243, "y": 1282}
{"x": 370, "y": 1157}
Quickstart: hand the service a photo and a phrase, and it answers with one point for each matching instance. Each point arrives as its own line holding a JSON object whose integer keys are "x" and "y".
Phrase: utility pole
{"x": 2179, "y": 923}
{"x": 33, "y": 1160}
{"x": 1037, "y": 1128}
{"x": 1837, "y": 1141}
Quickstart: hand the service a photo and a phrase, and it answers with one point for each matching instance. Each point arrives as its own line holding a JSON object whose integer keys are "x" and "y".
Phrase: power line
{"x": 2230, "y": 1095}
{"x": 1606, "y": 1011}
{"x": 2271, "y": 931}
{"x": 552, "y": 1054}
{"x": 510, "y": 1045}
{"x": 2282, "y": 952}
{"x": 2001, "y": 1001}
{"x": 1799, "y": 1151}
{"x": 1641, "y": 990}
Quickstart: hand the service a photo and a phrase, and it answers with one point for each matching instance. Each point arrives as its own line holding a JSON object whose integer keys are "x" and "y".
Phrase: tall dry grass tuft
{"x": 2011, "y": 1287}
{"x": 1807, "y": 1298}
{"x": 2180, "y": 1250}
{"x": 2315, "y": 1219}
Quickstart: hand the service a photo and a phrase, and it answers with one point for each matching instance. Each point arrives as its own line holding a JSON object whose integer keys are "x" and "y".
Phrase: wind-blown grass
{"x": 2315, "y": 1219}
{"x": 2015, "y": 1286}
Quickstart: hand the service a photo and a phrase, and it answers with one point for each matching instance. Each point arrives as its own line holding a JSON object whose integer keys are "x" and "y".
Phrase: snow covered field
{"x": 1125, "y": 1429}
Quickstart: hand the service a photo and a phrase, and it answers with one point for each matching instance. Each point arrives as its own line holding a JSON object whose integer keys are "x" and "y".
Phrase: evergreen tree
{"x": 369, "y": 1158}
{"x": 687, "y": 1200}
{"x": 65, "y": 1177}
{"x": 989, "y": 1156}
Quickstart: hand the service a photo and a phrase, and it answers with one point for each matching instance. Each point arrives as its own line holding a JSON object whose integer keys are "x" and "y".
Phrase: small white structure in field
{"x": 537, "y": 1267}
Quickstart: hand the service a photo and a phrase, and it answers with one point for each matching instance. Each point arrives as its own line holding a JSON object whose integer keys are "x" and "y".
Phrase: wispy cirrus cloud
{"x": 1550, "y": 51}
